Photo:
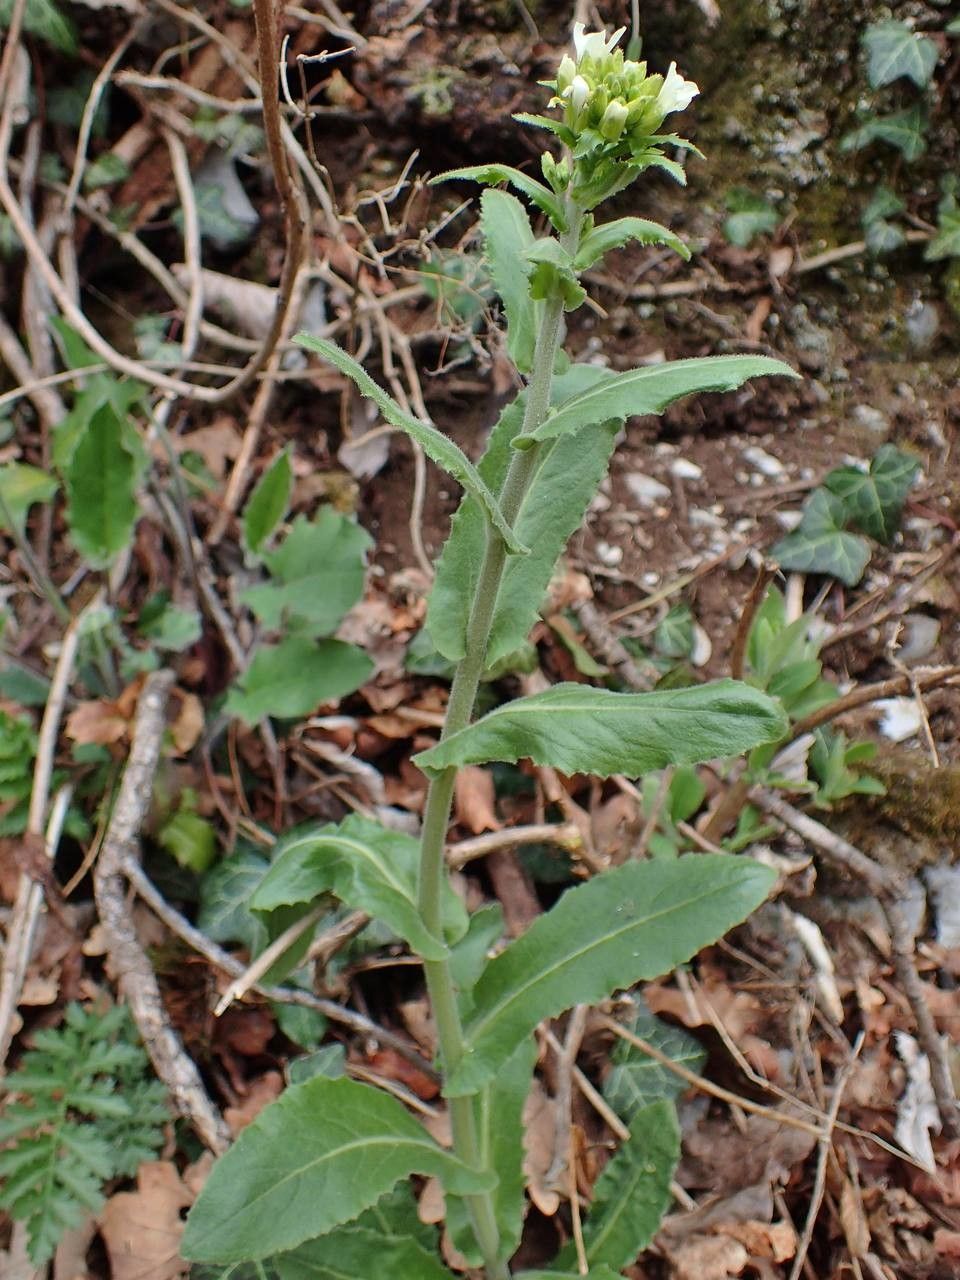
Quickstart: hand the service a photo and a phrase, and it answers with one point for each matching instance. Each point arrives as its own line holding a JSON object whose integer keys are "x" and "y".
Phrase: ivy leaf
{"x": 946, "y": 243}
{"x": 894, "y": 50}
{"x": 100, "y": 482}
{"x": 750, "y": 216}
{"x": 820, "y": 544}
{"x": 317, "y": 575}
{"x": 650, "y": 390}
{"x": 632, "y": 923}
{"x": 493, "y": 175}
{"x": 225, "y": 893}
{"x": 611, "y": 235}
{"x": 20, "y": 487}
{"x": 874, "y": 499}
{"x": 369, "y": 868}
{"x": 904, "y": 130}
{"x": 506, "y": 235}
{"x": 292, "y": 678}
{"x": 577, "y": 729}
{"x": 268, "y": 503}
{"x": 324, "y": 1152}
{"x": 552, "y": 509}
{"x": 438, "y": 447}
{"x": 636, "y": 1080}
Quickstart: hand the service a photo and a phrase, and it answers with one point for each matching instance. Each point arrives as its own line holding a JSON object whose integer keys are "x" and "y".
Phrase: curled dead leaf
{"x": 142, "y": 1229}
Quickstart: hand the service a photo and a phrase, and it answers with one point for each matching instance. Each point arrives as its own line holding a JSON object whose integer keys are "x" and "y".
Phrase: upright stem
{"x": 463, "y": 693}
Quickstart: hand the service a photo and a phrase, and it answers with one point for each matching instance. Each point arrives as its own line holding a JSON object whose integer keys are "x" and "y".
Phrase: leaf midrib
{"x": 473, "y": 1032}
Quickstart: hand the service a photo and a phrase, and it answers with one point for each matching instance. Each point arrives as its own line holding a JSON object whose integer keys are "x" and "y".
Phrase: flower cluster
{"x": 610, "y": 98}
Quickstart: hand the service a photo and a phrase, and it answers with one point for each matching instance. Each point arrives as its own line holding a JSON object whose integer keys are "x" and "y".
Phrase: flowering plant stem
{"x": 463, "y": 693}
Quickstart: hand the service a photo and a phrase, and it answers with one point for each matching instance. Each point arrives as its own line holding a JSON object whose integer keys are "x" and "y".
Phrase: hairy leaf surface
{"x": 438, "y": 447}
{"x": 100, "y": 480}
{"x": 493, "y": 175}
{"x": 268, "y": 502}
{"x": 651, "y": 390}
{"x": 632, "y": 923}
{"x": 579, "y": 729}
{"x": 553, "y": 508}
{"x": 20, "y": 487}
{"x": 611, "y": 235}
{"x": 317, "y": 575}
{"x": 506, "y": 235}
{"x": 369, "y": 868}
{"x": 311, "y": 1161}
{"x": 633, "y": 1192}
{"x": 293, "y": 677}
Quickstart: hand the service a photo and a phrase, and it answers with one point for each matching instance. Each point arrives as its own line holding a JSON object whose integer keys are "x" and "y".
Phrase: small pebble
{"x": 900, "y": 718}
{"x": 763, "y": 462}
{"x": 684, "y": 469}
{"x": 645, "y": 490}
{"x": 918, "y": 637}
{"x": 609, "y": 555}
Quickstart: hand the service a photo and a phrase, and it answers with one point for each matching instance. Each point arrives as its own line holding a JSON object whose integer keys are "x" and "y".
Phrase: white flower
{"x": 676, "y": 93}
{"x": 594, "y": 44}
{"x": 578, "y": 91}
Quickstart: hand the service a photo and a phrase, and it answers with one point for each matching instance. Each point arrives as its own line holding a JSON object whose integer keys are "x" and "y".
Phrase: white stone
{"x": 763, "y": 462}
{"x": 645, "y": 490}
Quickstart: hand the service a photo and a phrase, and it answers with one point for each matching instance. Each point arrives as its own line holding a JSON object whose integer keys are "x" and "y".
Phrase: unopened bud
{"x": 613, "y": 121}
{"x": 565, "y": 73}
{"x": 577, "y": 93}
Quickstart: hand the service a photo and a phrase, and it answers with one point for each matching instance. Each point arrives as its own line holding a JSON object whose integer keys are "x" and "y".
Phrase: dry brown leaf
{"x": 854, "y": 1220}
{"x": 708, "y": 1258}
{"x": 476, "y": 800}
{"x": 947, "y": 1243}
{"x": 188, "y": 725}
{"x": 539, "y": 1136}
{"x": 774, "y": 1240}
{"x": 431, "y": 1207}
{"x": 217, "y": 444}
{"x": 265, "y": 1089}
{"x": 70, "y": 1260}
{"x": 97, "y": 723}
{"x": 142, "y": 1229}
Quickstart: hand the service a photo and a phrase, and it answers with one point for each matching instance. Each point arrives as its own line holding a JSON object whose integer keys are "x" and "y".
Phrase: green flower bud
{"x": 565, "y": 73}
{"x": 613, "y": 122}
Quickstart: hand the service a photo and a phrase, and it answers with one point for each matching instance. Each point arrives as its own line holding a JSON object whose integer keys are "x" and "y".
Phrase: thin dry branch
{"x": 888, "y": 889}
{"x": 137, "y": 979}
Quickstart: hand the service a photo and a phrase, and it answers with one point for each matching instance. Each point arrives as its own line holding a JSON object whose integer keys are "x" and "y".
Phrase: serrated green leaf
{"x": 506, "y": 235}
{"x": 612, "y": 235}
{"x": 633, "y": 1192}
{"x": 820, "y": 544}
{"x": 635, "y": 1079}
{"x": 100, "y": 482}
{"x": 632, "y": 923}
{"x": 20, "y": 487}
{"x": 904, "y": 130}
{"x": 330, "y": 1061}
{"x": 316, "y": 573}
{"x": 578, "y": 729}
{"x": 358, "y": 1252}
{"x": 170, "y": 627}
{"x": 367, "y": 867}
{"x": 438, "y": 447}
{"x": 552, "y": 509}
{"x": 46, "y": 20}
{"x": 292, "y": 678}
{"x": 946, "y": 242}
{"x": 469, "y": 954}
{"x": 894, "y": 50}
{"x": 225, "y": 892}
{"x": 874, "y": 499}
{"x": 268, "y": 502}
{"x": 492, "y": 175}
{"x": 317, "y": 1157}
{"x": 106, "y": 170}
{"x": 651, "y": 390}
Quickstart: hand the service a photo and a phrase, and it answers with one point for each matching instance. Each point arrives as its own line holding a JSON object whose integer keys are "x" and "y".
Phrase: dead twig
{"x": 565, "y": 835}
{"x": 888, "y": 889}
{"x": 266, "y": 960}
{"x": 204, "y": 946}
{"x": 826, "y": 1143}
{"x": 136, "y": 976}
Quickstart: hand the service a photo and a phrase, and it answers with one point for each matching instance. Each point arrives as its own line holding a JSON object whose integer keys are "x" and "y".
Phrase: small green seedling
{"x": 317, "y": 1185}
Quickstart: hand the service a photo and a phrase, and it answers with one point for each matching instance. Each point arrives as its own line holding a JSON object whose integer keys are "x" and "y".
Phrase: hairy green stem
{"x": 463, "y": 693}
